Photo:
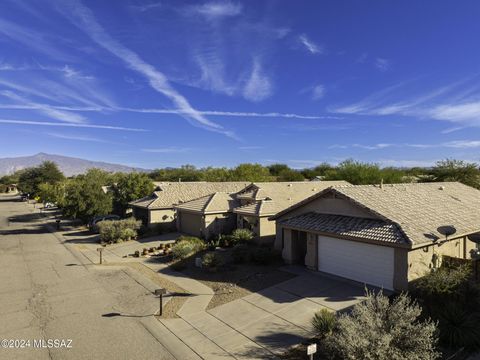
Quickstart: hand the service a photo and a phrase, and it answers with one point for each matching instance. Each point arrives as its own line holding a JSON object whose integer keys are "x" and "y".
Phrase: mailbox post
{"x": 100, "y": 250}
{"x": 311, "y": 349}
{"x": 160, "y": 292}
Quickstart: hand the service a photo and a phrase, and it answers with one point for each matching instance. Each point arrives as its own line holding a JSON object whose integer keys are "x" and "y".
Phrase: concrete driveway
{"x": 279, "y": 317}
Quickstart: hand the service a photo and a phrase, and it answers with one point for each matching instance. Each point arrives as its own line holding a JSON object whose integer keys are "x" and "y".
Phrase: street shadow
{"x": 31, "y": 231}
{"x": 277, "y": 341}
{"x": 116, "y": 314}
{"x": 25, "y": 218}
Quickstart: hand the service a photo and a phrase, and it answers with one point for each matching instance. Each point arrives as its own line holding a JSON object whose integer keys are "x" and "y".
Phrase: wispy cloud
{"x": 167, "y": 150}
{"x": 310, "y": 45}
{"x": 54, "y": 124}
{"x": 382, "y": 64}
{"x": 318, "y": 92}
{"x": 447, "y": 103}
{"x": 33, "y": 39}
{"x": 51, "y": 112}
{"x": 217, "y": 9}
{"x": 258, "y": 86}
{"x": 457, "y": 144}
{"x": 147, "y": 7}
{"x": 76, "y": 137}
{"x": 84, "y": 19}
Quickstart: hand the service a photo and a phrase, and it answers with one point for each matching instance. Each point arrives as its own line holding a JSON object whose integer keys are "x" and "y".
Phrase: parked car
{"x": 24, "y": 197}
{"x": 49, "y": 205}
{"x": 92, "y": 225}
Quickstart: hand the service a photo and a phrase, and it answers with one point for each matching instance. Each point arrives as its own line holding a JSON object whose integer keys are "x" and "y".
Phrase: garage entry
{"x": 191, "y": 224}
{"x": 366, "y": 263}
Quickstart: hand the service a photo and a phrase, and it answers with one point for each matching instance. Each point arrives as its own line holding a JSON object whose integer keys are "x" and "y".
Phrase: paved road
{"x": 48, "y": 291}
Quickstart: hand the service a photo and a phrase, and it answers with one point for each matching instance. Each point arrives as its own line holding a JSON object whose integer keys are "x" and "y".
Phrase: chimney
{"x": 381, "y": 183}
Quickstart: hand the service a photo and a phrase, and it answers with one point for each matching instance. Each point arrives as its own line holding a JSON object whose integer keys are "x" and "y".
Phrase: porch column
{"x": 287, "y": 252}
{"x": 311, "y": 258}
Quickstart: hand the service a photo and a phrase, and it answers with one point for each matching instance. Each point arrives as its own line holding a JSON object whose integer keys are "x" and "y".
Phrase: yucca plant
{"x": 324, "y": 322}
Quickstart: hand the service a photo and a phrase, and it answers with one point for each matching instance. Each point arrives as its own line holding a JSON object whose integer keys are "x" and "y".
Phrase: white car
{"x": 49, "y": 205}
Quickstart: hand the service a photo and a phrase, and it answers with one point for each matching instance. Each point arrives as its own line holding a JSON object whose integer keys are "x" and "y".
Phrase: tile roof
{"x": 418, "y": 208}
{"x": 175, "y": 193}
{"x": 214, "y": 203}
{"x": 348, "y": 226}
{"x": 272, "y": 197}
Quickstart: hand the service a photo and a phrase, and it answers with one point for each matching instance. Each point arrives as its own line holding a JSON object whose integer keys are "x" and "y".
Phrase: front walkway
{"x": 258, "y": 326}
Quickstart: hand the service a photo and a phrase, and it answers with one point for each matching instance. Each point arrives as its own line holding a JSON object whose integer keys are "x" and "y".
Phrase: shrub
{"x": 378, "y": 329}
{"x": 212, "y": 260}
{"x": 118, "y": 230}
{"x": 240, "y": 254}
{"x": 443, "y": 282}
{"x": 265, "y": 256}
{"x": 241, "y": 236}
{"x": 186, "y": 246}
{"x": 324, "y": 322}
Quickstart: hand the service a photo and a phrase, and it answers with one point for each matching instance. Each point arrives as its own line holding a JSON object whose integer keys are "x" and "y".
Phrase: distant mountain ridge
{"x": 68, "y": 165}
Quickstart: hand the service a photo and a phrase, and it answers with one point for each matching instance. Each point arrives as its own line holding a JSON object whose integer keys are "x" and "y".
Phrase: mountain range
{"x": 68, "y": 165}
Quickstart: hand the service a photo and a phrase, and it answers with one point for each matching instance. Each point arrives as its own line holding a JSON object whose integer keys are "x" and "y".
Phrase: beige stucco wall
{"x": 190, "y": 223}
{"x": 330, "y": 205}
{"x": 420, "y": 261}
{"x": 216, "y": 224}
{"x": 161, "y": 216}
{"x": 311, "y": 258}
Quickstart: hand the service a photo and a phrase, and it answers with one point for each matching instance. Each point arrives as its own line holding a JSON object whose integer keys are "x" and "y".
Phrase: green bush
{"x": 378, "y": 329}
{"x": 241, "y": 236}
{"x": 324, "y": 322}
{"x": 118, "y": 230}
{"x": 443, "y": 282}
{"x": 265, "y": 256}
{"x": 186, "y": 246}
{"x": 212, "y": 260}
{"x": 241, "y": 254}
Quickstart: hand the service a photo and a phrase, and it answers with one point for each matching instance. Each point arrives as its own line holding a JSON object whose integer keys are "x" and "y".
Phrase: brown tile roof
{"x": 348, "y": 226}
{"x": 419, "y": 208}
{"x": 176, "y": 193}
{"x": 213, "y": 203}
{"x": 272, "y": 197}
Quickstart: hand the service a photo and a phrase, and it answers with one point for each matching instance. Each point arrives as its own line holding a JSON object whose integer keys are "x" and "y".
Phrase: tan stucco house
{"x": 264, "y": 199}
{"x": 208, "y": 216}
{"x": 385, "y": 235}
{"x": 158, "y": 208}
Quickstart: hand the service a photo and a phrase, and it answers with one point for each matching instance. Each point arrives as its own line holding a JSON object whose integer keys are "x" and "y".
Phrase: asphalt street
{"x": 49, "y": 292}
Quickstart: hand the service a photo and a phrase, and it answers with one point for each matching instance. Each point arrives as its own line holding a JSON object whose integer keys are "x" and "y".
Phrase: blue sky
{"x": 165, "y": 83}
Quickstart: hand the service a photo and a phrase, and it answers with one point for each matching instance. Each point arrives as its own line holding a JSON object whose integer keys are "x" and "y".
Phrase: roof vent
{"x": 441, "y": 188}
{"x": 289, "y": 185}
{"x": 314, "y": 189}
{"x": 289, "y": 199}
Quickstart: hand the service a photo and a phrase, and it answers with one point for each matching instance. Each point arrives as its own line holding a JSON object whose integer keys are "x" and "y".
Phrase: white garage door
{"x": 366, "y": 263}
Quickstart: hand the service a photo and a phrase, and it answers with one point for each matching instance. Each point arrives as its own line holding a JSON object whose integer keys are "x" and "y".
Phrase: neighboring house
{"x": 385, "y": 235}
{"x": 208, "y": 216}
{"x": 264, "y": 199}
{"x": 12, "y": 188}
{"x": 158, "y": 208}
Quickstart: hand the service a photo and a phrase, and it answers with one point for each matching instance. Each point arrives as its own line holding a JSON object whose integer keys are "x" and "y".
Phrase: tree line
{"x": 99, "y": 192}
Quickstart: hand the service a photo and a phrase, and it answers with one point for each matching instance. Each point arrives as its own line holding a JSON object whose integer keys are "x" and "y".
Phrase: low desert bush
{"x": 186, "y": 246}
{"x": 212, "y": 260}
{"x": 378, "y": 329}
{"x": 240, "y": 236}
{"x": 323, "y": 322}
{"x": 118, "y": 230}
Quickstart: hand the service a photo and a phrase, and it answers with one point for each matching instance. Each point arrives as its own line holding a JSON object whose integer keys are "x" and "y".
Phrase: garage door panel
{"x": 367, "y": 263}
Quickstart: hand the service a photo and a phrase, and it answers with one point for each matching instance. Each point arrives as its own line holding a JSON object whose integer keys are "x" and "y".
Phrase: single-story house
{"x": 158, "y": 208}
{"x": 207, "y": 216}
{"x": 264, "y": 199}
{"x": 383, "y": 235}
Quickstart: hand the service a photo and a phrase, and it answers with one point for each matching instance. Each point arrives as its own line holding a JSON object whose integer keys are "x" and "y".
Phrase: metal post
{"x": 161, "y": 304}
{"x": 100, "y": 250}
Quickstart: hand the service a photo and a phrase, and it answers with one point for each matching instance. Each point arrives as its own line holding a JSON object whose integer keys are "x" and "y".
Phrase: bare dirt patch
{"x": 177, "y": 295}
